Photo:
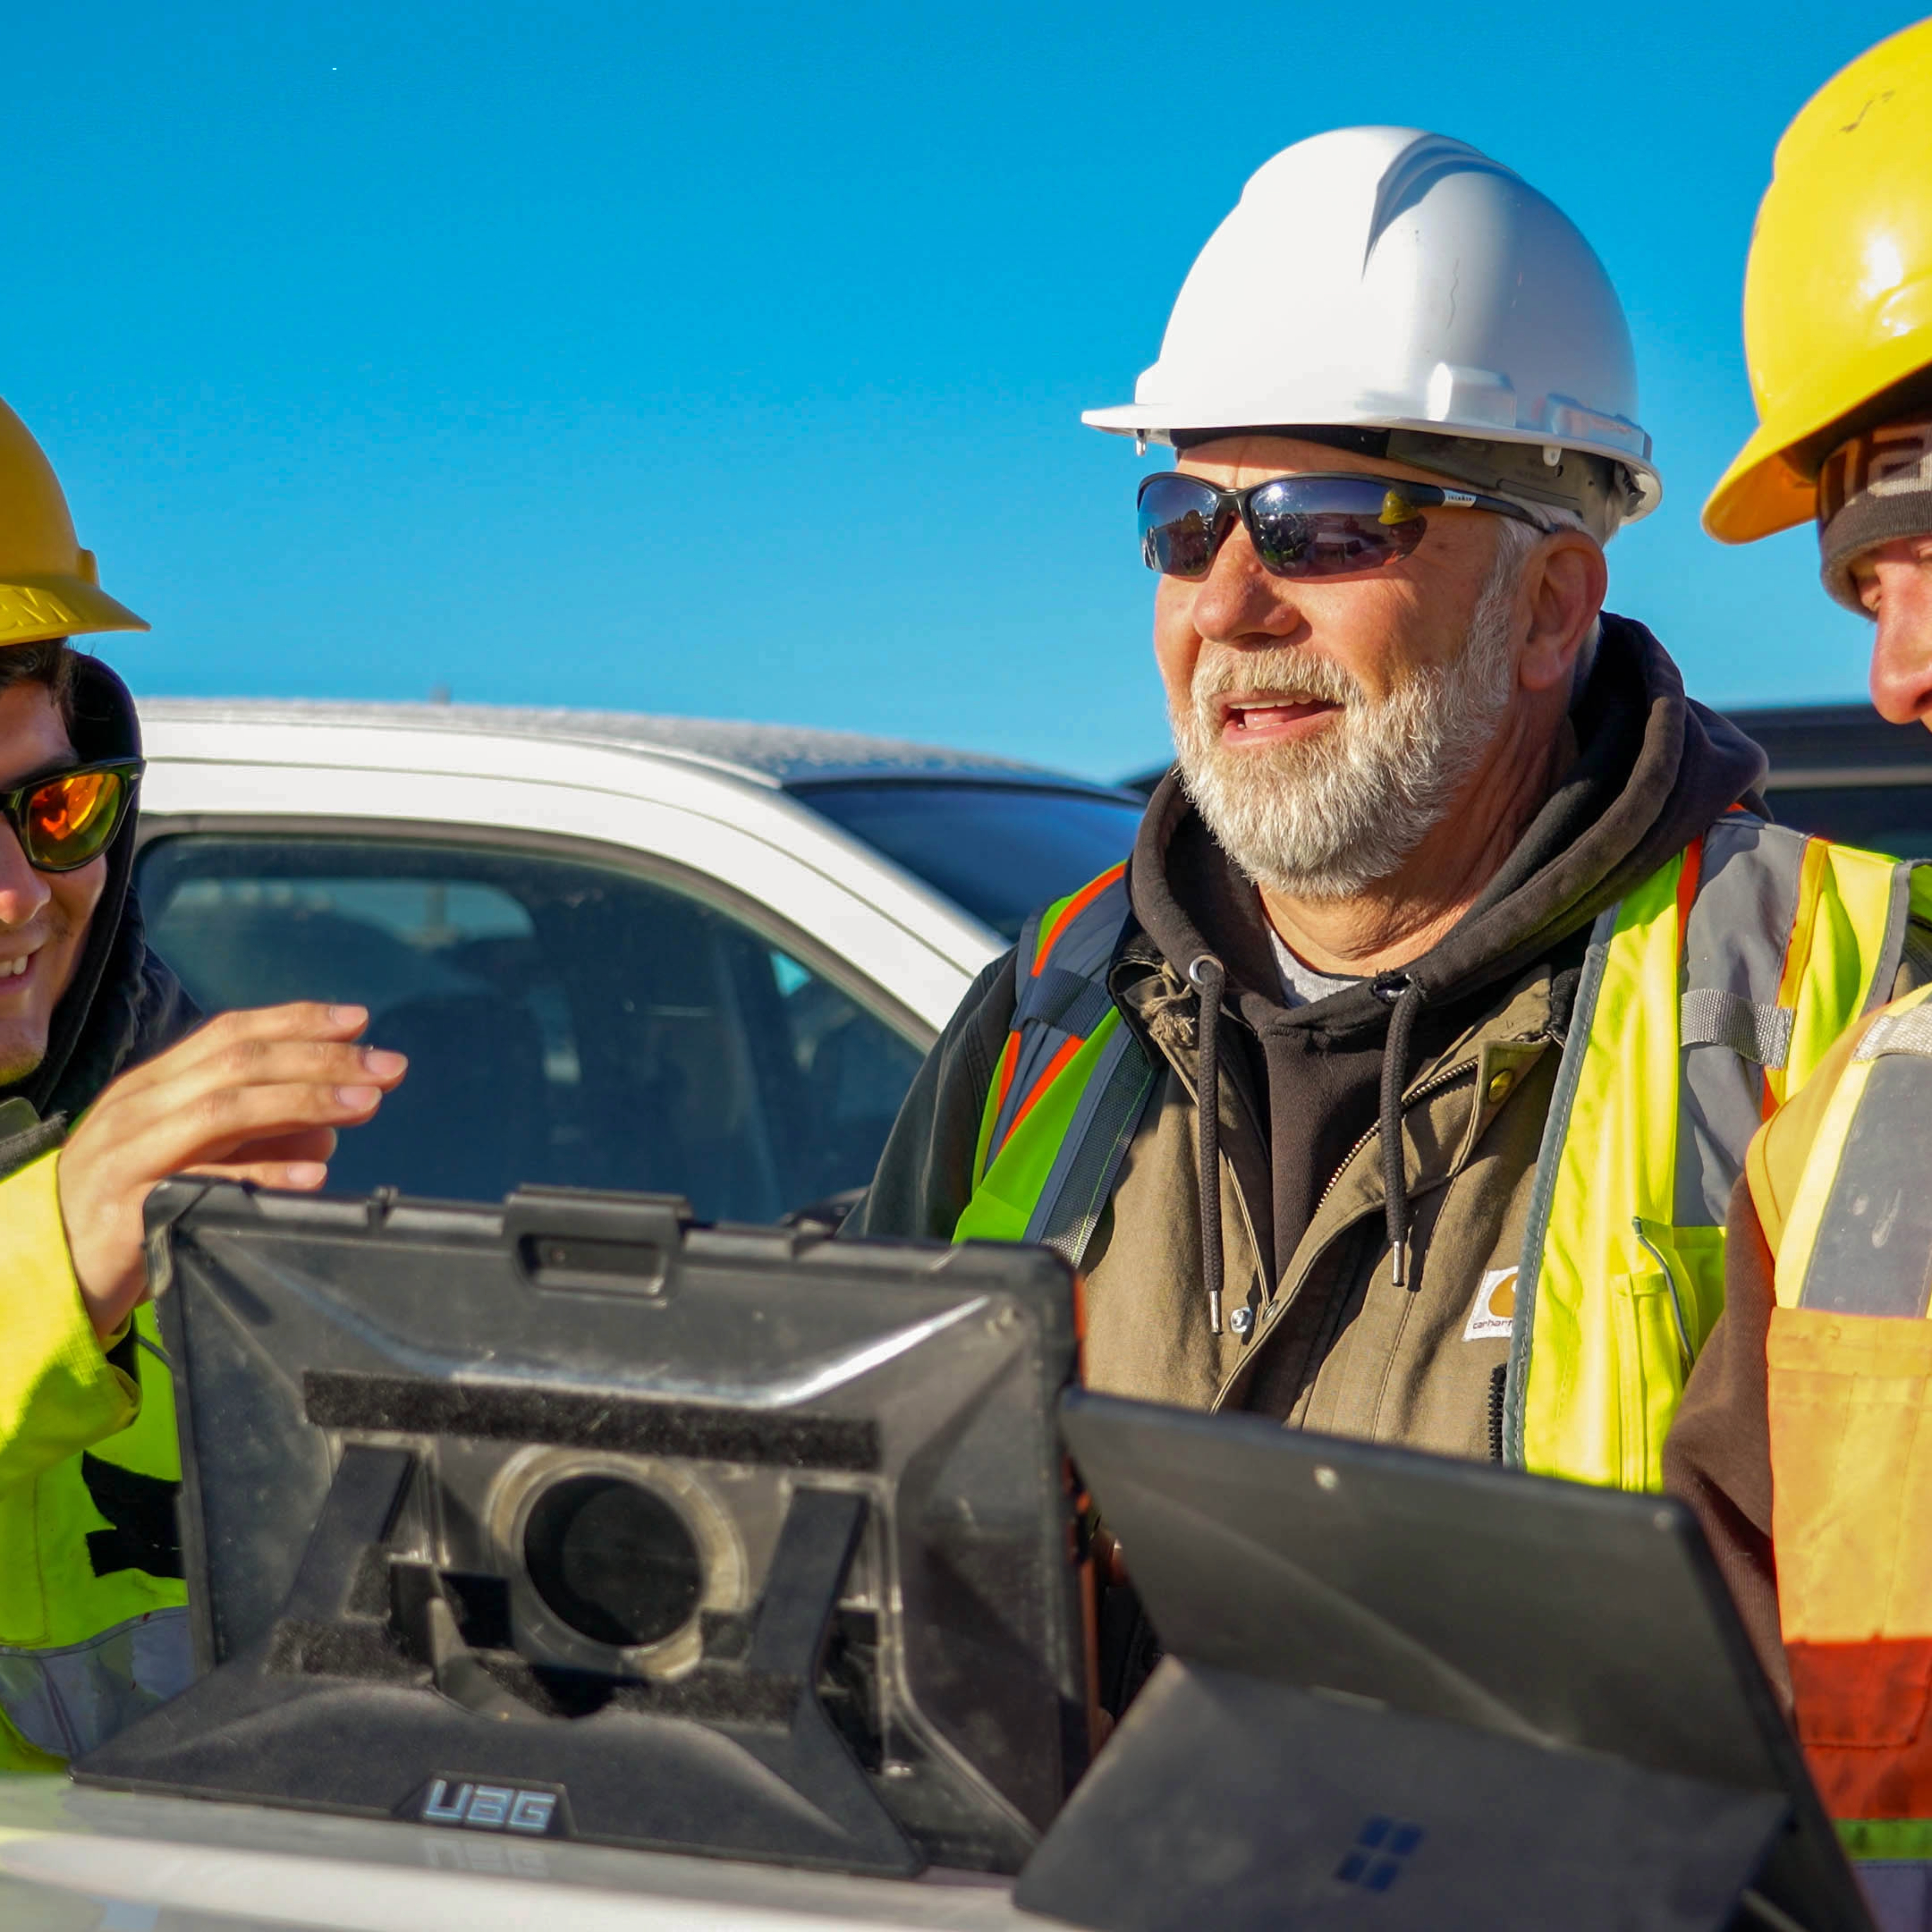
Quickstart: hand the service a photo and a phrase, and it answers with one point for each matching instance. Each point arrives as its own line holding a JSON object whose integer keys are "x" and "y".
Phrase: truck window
{"x": 566, "y": 1021}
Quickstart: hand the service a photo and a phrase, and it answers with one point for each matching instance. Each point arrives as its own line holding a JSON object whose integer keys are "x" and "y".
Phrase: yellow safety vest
{"x": 1849, "y": 1382}
{"x": 93, "y": 1618}
{"x": 1713, "y": 987}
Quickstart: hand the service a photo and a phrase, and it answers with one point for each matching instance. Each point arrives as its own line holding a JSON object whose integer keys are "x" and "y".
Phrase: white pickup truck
{"x": 621, "y": 952}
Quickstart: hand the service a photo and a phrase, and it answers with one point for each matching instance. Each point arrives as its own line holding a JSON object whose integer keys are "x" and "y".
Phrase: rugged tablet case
{"x": 879, "y": 1660}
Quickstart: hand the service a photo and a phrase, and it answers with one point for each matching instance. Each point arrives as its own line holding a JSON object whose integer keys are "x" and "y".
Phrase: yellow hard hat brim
{"x": 1764, "y": 491}
{"x": 58, "y": 605}
{"x": 1761, "y": 493}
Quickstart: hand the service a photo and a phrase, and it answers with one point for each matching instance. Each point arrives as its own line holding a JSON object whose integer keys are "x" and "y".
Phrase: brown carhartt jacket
{"x": 1335, "y": 1345}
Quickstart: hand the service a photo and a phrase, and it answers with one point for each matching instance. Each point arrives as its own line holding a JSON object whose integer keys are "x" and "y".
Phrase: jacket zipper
{"x": 1435, "y": 1084}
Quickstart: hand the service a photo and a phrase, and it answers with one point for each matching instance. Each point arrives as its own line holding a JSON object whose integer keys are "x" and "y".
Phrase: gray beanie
{"x": 1875, "y": 487}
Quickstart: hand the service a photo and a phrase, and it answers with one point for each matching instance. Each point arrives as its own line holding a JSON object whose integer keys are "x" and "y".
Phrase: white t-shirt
{"x": 1301, "y": 985}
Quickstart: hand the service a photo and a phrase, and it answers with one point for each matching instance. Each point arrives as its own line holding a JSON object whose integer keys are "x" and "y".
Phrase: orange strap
{"x": 1072, "y": 910}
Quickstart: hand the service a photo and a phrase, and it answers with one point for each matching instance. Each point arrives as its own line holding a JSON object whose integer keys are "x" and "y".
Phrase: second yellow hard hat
{"x": 1838, "y": 288}
{"x": 48, "y": 586}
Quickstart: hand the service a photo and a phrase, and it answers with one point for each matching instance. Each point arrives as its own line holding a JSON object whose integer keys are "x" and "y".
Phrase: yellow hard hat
{"x": 48, "y": 586}
{"x": 1838, "y": 288}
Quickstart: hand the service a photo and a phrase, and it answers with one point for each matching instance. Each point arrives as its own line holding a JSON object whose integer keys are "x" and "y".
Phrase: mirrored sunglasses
{"x": 1314, "y": 526}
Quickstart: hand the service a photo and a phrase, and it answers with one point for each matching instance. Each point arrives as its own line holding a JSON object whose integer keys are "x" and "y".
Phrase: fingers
{"x": 311, "y": 1144}
{"x": 236, "y": 1034}
{"x": 251, "y": 1090}
{"x": 301, "y": 1177}
{"x": 256, "y": 1095}
{"x": 211, "y": 1126}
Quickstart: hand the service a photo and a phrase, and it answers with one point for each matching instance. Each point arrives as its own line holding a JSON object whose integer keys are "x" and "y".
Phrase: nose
{"x": 24, "y": 893}
{"x": 1238, "y": 598}
{"x": 1901, "y": 664}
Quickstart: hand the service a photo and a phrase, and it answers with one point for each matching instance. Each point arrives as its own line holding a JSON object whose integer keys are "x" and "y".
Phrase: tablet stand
{"x": 367, "y": 1660}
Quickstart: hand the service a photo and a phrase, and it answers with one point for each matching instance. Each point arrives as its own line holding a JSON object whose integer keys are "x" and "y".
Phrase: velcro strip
{"x": 589, "y": 1419}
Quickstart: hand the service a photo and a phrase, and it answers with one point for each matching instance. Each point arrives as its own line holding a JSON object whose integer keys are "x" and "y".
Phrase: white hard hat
{"x": 1384, "y": 278}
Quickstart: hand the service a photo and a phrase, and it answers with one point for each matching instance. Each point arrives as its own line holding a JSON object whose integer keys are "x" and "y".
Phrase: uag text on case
{"x": 569, "y": 1518}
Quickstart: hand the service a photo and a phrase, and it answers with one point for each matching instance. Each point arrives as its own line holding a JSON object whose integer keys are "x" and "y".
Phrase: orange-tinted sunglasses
{"x": 68, "y": 819}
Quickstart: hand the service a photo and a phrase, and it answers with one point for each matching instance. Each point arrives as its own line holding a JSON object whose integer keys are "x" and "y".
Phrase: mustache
{"x": 1294, "y": 675}
{"x": 48, "y": 927}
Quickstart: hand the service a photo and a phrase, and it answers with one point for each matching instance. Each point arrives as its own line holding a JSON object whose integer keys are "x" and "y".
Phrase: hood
{"x": 85, "y": 1041}
{"x": 1653, "y": 770}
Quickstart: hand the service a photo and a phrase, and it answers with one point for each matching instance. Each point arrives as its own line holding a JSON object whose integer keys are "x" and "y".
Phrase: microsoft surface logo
{"x": 1374, "y": 1861}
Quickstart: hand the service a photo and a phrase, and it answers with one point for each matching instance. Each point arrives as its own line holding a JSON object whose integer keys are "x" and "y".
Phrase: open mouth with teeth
{"x": 1249, "y": 721}
{"x": 16, "y": 969}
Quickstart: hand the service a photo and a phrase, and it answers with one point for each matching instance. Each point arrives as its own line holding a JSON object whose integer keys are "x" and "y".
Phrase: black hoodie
{"x": 123, "y": 1004}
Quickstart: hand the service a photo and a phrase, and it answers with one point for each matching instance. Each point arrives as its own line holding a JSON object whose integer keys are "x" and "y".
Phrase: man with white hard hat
{"x": 1445, "y": 904}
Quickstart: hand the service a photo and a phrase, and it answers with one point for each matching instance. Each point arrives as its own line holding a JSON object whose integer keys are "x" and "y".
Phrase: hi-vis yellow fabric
{"x": 60, "y": 1397}
{"x": 1852, "y": 1458}
{"x": 1621, "y": 1297}
{"x": 1834, "y": 953}
{"x": 1607, "y": 1360}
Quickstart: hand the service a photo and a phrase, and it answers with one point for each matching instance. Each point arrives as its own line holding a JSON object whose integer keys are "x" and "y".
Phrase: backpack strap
{"x": 1082, "y": 1180}
{"x": 1065, "y": 1026}
{"x": 1059, "y": 971}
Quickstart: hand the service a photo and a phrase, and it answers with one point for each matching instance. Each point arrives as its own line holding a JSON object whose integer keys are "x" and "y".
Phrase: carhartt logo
{"x": 532, "y": 1813}
{"x": 1493, "y": 1311}
{"x": 1381, "y": 1845}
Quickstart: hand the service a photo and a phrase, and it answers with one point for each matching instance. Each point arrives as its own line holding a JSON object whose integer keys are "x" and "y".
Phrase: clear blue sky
{"x": 728, "y": 359}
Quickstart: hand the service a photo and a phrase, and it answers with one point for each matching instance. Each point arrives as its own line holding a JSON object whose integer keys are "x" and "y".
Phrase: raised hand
{"x": 253, "y": 1095}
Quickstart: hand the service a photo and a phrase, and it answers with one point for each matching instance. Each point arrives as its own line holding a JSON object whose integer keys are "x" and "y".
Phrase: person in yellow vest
{"x": 1395, "y": 1085}
{"x": 1805, "y": 1438}
{"x": 104, "y": 1090}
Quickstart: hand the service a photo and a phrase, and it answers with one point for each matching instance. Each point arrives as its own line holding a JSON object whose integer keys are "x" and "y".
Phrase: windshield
{"x": 999, "y": 851}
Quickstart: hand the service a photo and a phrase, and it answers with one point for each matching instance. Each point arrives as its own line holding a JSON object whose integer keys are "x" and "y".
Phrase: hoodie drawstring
{"x": 1209, "y": 979}
{"x": 1407, "y": 998}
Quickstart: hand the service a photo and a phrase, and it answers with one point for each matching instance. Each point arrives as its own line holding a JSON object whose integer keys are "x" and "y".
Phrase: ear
{"x": 1566, "y": 581}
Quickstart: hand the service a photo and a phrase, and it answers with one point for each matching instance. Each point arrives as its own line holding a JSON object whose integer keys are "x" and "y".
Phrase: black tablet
{"x": 1403, "y": 1690}
{"x": 570, "y": 1517}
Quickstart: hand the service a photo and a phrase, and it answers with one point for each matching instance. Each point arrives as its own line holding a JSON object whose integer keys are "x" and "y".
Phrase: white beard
{"x": 1323, "y": 819}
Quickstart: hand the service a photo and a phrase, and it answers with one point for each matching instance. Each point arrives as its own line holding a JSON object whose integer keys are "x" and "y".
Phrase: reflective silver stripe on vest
{"x": 1732, "y": 1025}
{"x": 68, "y": 1700}
{"x": 1874, "y": 1239}
{"x": 1908, "y": 1032}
